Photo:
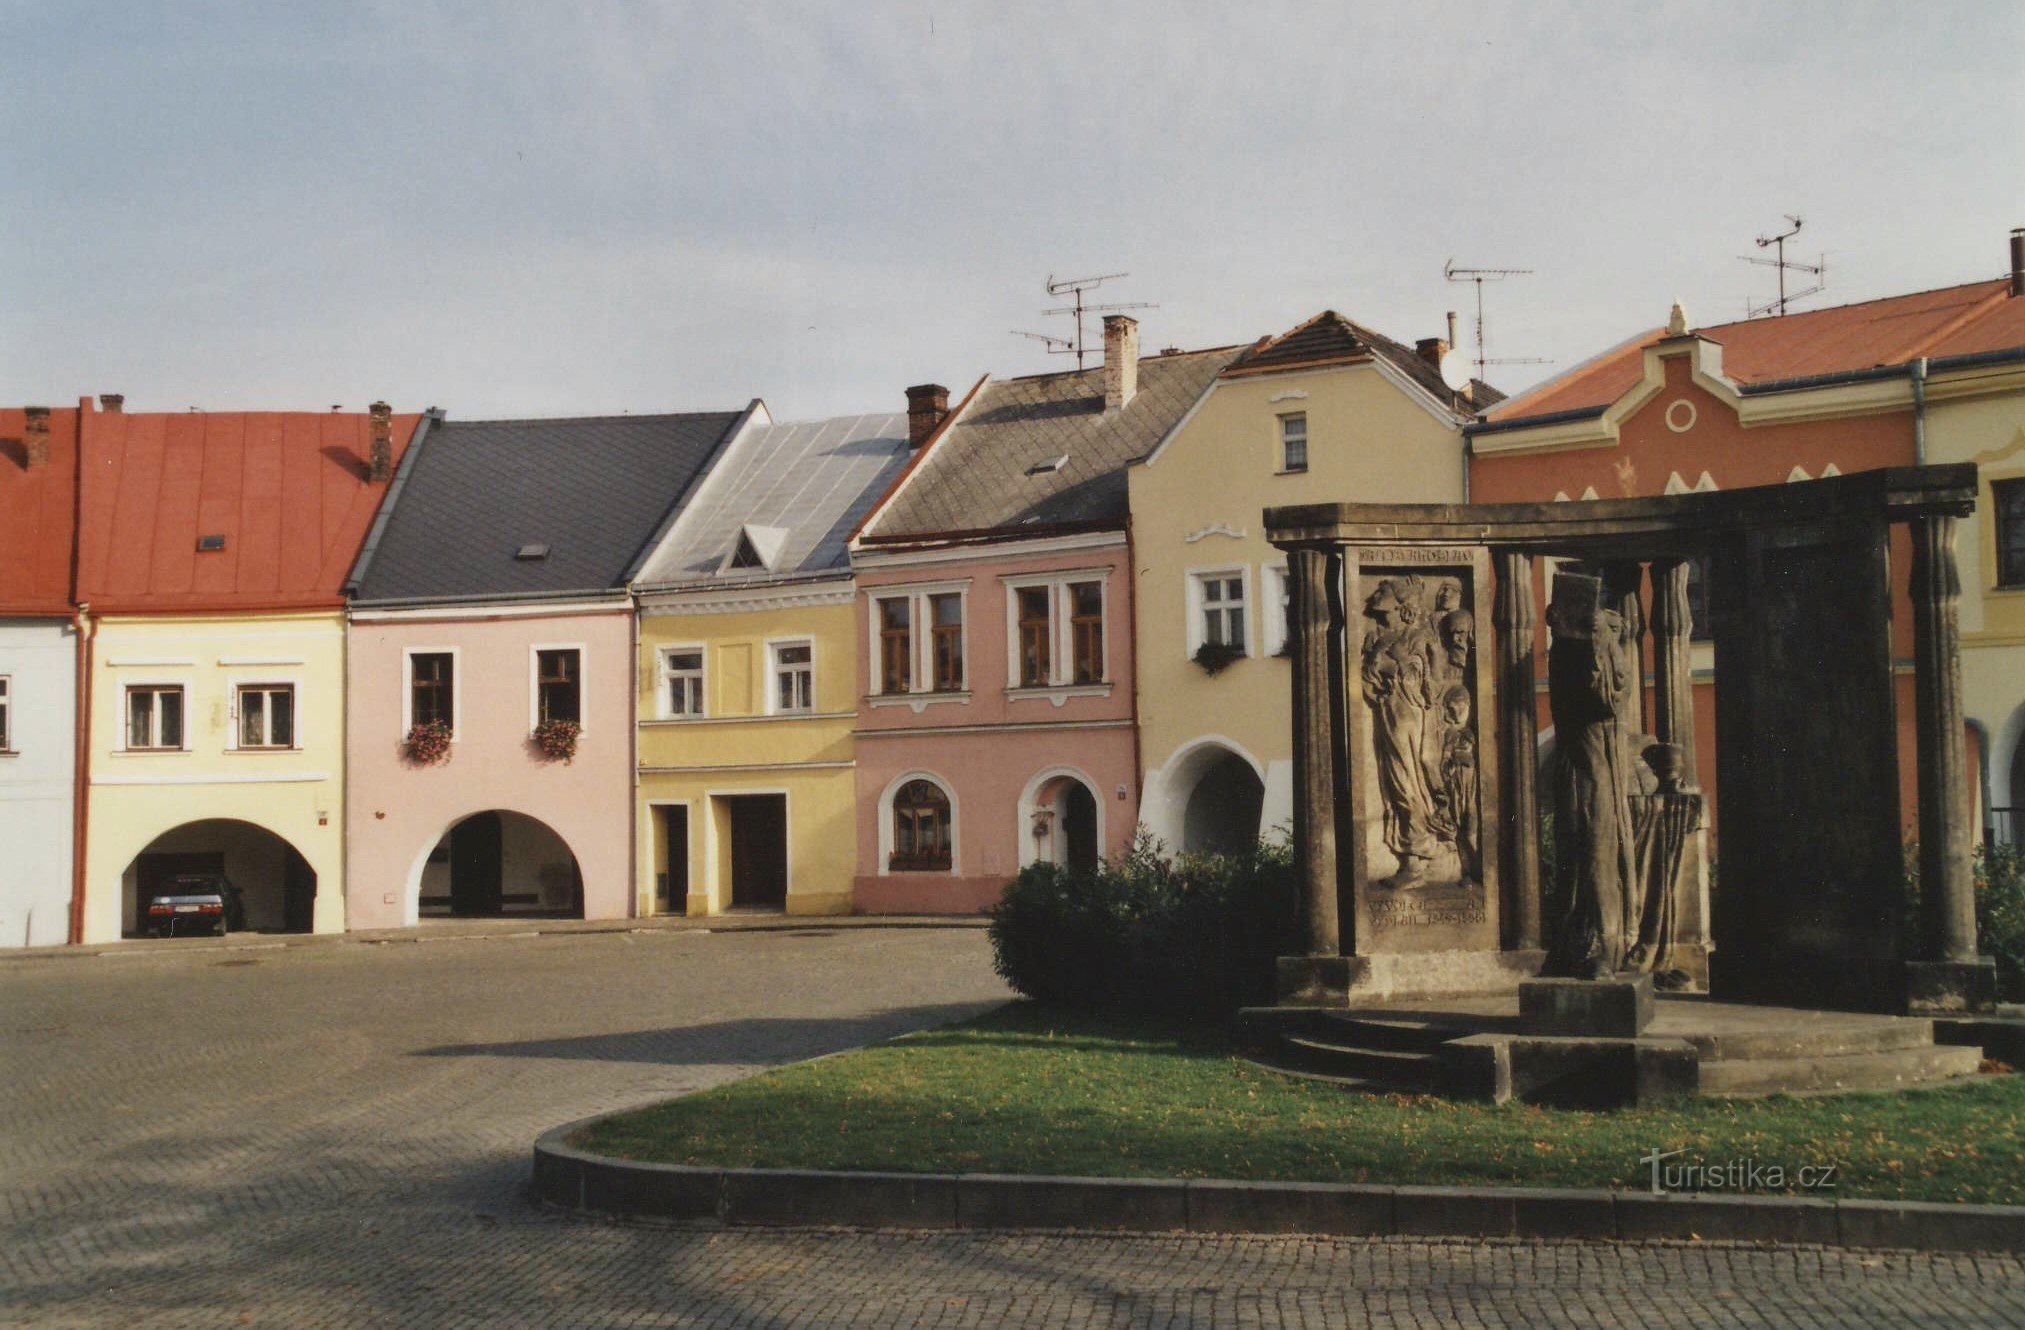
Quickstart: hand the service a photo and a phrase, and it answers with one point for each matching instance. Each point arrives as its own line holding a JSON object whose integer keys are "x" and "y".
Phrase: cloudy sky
{"x": 552, "y": 209}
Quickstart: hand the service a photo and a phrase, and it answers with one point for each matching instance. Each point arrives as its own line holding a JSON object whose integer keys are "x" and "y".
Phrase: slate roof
{"x": 595, "y": 490}
{"x": 1952, "y": 321}
{"x": 38, "y": 515}
{"x": 982, "y": 472}
{"x": 1331, "y": 339}
{"x": 288, "y": 491}
{"x": 802, "y": 487}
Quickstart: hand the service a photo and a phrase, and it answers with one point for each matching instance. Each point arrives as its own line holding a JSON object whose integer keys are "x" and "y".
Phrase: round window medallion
{"x": 1680, "y": 417}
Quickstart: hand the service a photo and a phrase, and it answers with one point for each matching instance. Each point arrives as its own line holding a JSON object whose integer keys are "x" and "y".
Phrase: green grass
{"x": 1024, "y": 1090}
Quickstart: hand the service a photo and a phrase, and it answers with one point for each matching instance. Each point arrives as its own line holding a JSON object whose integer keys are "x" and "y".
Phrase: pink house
{"x": 996, "y": 721}
{"x": 491, "y": 618}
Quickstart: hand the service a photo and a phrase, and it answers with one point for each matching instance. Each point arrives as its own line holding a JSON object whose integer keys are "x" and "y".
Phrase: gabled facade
{"x": 1327, "y": 412}
{"x": 212, "y": 552}
{"x": 747, "y": 674}
{"x": 995, "y": 607}
{"x": 490, "y": 657}
{"x": 39, "y": 663}
{"x": 1931, "y": 377}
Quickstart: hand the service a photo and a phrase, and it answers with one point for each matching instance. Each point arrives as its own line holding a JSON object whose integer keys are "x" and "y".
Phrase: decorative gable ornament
{"x": 1676, "y": 320}
{"x": 1214, "y": 529}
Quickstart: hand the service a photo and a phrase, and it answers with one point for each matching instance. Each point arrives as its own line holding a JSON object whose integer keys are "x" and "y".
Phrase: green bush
{"x": 2000, "y": 911}
{"x": 1194, "y": 936}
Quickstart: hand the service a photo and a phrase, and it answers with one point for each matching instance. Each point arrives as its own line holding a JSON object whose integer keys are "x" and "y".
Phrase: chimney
{"x": 382, "y": 468}
{"x": 1121, "y": 360}
{"x": 111, "y": 403}
{"x": 35, "y": 436}
{"x": 927, "y": 406}
{"x": 1451, "y": 329}
{"x": 2018, "y": 260}
{"x": 1431, "y": 349}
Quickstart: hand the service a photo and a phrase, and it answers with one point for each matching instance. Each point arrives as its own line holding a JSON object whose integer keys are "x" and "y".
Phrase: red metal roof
{"x": 287, "y": 490}
{"x": 1953, "y": 321}
{"x": 38, "y": 514}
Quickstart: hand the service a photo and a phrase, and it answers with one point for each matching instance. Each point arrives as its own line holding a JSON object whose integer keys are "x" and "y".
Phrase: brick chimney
{"x": 1121, "y": 360}
{"x": 2018, "y": 260}
{"x": 35, "y": 436}
{"x": 382, "y": 467}
{"x": 112, "y": 403}
{"x": 1431, "y": 349}
{"x": 927, "y": 407}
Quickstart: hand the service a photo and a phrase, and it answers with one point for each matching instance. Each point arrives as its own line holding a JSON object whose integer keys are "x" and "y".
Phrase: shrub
{"x": 557, "y": 739}
{"x": 427, "y": 743}
{"x": 1195, "y": 936}
{"x": 2000, "y": 911}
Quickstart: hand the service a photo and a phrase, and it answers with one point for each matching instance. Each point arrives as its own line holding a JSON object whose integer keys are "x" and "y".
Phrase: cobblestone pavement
{"x": 339, "y": 1137}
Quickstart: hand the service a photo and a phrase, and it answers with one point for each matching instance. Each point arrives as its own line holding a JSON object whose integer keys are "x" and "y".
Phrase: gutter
{"x": 1919, "y": 394}
{"x": 433, "y": 415}
{"x": 616, "y": 595}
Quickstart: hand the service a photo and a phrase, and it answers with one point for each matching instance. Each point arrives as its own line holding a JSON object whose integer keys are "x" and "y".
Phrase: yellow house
{"x": 748, "y": 673}
{"x": 212, "y": 554}
{"x": 1328, "y": 412}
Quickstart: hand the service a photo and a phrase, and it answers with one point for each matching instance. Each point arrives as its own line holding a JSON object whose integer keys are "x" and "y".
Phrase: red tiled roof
{"x": 37, "y": 515}
{"x": 1953, "y": 321}
{"x": 287, "y": 490}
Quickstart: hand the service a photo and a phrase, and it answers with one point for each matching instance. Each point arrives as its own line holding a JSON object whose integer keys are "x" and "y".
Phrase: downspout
{"x": 634, "y": 869}
{"x": 87, "y": 629}
{"x": 1132, "y": 644}
{"x": 1919, "y": 392}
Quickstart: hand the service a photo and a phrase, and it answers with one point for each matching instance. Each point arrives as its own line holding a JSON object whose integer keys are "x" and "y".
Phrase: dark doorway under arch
{"x": 1222, "y": 815}
{"x": 498, "y": 863}
{"x": 277, "y": 887}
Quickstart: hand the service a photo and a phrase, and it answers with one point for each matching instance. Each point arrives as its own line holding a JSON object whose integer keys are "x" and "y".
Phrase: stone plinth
{"x": 1316, "y": 981}
{"x": 1950, "y": 988}
{"x": 1605, "y": 1008}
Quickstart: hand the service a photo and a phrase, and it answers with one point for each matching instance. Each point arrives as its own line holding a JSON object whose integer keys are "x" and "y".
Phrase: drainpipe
{"x": 634, "y": 874}
{"x": 87, "y": 629}
{"x": 1919, "y": 391}
{"x": 1469, "y": 452}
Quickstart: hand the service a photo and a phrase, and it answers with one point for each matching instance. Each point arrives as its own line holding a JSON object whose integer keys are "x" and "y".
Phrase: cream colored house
{"x": 1328, "y": 412}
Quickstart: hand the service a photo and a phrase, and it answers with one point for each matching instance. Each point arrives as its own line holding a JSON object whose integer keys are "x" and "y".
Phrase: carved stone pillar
{"x": 1948, "y": 975}
{"x": 1513, "y": 616}
{"x": 1673, "y": 712}
{"x": 1314, "y": 771}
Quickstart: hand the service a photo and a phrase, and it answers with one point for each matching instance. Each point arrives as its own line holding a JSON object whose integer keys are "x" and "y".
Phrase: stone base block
{"x": 1947, "y": 988}
{"x": 1606, "y": 1008}
{"x": 2000, "y": 1037}
{"x": 1317, "y": 981}
{"x": 1569, "y": 1072}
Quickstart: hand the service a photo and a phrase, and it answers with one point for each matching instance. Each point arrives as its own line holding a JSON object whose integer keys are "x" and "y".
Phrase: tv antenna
{"x": 1818, "y": 270}
{"x": 1479, "y": 276}
{"x": 1078, "y": 345}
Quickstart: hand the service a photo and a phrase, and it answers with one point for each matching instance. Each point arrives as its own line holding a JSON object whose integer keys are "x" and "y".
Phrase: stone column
{"x": 1948, "y": 975}
{"x": 1673, "y": 711}
{"x": 1314, "y": 772}
{"x": 1518, "y": 748}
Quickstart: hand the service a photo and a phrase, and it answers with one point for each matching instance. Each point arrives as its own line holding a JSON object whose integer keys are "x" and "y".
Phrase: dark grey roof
{"x": 594, "y": 490}
{"x": 1329, "y": 339}
{"x": 988, "y": 470}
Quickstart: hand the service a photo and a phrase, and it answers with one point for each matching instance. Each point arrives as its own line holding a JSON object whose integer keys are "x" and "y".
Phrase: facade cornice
{"x": 869, "y": 559}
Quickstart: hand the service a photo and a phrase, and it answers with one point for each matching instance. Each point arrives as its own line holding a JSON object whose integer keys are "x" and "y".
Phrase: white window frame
{"x": 664, "y": 675}
{"x": 408, "y": 655}
{"x": 127, "y": 686}
{"x": 1061, "y": 627}
{"x": 6, "y": 714}
{"x": 774, "y": 646}
{"x": 1197, "y": 606}
{"x": 921, "y": 638}
{"x": 1274, "y": 593}
{"x": 269, "y": 682}
{"x": 1286, "y": 468}
{"x": 583, "y": 682}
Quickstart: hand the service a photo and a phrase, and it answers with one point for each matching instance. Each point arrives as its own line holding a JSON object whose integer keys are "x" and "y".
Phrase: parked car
{"x": 193, "y": 903}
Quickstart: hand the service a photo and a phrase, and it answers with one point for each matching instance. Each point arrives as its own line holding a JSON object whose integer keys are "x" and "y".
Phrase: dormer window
{"x": 531, "y": 553}
{"x": 757, "y": 547}
{"x": 210, "y": 544}
{"x": 745, "y": 556}
{"x": 1048, "y": 467}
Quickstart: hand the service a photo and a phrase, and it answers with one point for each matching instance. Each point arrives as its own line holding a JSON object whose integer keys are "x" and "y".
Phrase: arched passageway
{"x": 500, "y": 863}
{"x": 274, "y": 886}
{"x": 1223, "y": 809}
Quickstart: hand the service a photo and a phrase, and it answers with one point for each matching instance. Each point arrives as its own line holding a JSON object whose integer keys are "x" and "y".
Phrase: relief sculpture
{"x": 1417, "y": 678}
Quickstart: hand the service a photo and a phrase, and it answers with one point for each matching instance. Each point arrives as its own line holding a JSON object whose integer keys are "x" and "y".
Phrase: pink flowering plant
{"x": 427, "y": 743}
{"x": 557, "y": 739}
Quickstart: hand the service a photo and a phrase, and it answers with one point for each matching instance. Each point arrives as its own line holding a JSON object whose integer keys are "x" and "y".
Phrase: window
{"x": 1223, "y": 608}
{"x": 921, "y": 840}
{"x": 558, "y": 684}
{"x": 1294, "y": 441}
{"x": 945, "y": 611}
{"x": 2008, "y": 498}
{"x": 1036, "y": 632}
{"x": 896, "y": 644}
{"x": 683, "y": 672}
{"x": 6, "y": 714}
{"x": 155, "y": 716}
{"x": 432, "y": 688}
{"x": 267, "y": 715}
{"x": 794, "y": 676}
{"x": 1086, "y": 631}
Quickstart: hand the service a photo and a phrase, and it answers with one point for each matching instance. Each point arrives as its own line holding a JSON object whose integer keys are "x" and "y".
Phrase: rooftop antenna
{"x": 1480, "y": 276}
{"x": 1818, "y": 270}
{"x": 1079, "y": 346}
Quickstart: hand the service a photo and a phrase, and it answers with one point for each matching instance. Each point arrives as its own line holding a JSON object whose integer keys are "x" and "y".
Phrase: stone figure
{"x": 1664, "y": 819}
{"x": 1589, "y": 669}
{"x": 1459, "y": 780}
{"x": 1400, "y": 668}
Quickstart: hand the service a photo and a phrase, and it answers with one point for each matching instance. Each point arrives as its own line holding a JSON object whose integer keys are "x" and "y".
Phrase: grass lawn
{"x": 1024, "y": 1090}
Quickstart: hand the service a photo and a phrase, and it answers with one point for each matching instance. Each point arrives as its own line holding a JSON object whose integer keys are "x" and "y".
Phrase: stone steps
{"x": 1885, "y": 1069}
{"x": 1880, "y": 1035}
{"x": 1418, "y": 1072}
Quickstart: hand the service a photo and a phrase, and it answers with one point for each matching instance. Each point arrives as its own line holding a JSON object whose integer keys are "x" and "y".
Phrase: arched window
{"x": 921, "y": 840}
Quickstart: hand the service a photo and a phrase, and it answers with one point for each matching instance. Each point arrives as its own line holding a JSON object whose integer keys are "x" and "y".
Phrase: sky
{"x": 585, "y": 208}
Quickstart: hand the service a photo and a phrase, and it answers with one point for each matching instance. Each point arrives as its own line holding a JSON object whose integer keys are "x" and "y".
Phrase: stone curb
{"x": 491, "y": 932}
{"x": 575, "y": 1179}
